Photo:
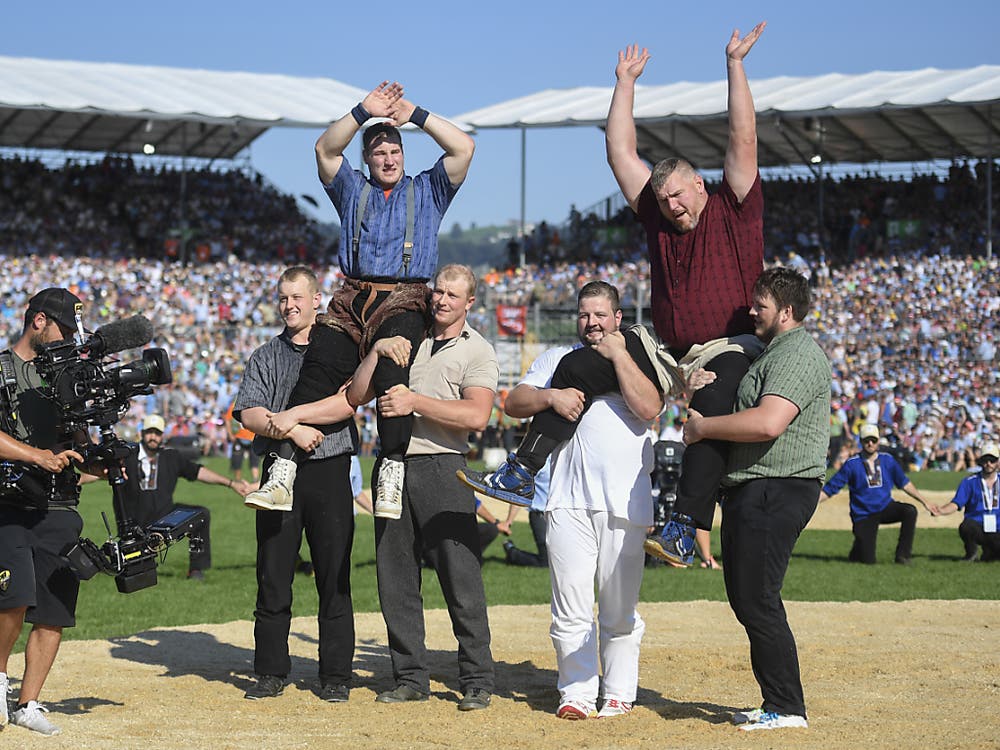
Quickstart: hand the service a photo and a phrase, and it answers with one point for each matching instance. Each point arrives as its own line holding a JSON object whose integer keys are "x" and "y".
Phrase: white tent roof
{"x": 89, "y": 106}
{"x": 879, "y": 116}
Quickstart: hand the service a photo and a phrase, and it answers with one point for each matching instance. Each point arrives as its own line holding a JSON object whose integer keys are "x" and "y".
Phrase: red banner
{"x": 512, "y": 320}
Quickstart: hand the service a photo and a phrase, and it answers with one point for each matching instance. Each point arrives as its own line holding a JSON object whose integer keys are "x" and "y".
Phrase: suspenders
{"x": 407, "y": 240}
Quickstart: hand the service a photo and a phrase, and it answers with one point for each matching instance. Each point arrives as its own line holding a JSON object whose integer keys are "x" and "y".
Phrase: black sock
{"x": 535, "y": 450}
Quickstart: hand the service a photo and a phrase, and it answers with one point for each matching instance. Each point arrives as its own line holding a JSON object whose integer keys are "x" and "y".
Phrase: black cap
{"x": 59, "y": 304}
{"x": 381, "y": 132}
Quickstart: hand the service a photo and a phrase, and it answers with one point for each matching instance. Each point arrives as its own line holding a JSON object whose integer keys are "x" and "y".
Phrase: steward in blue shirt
{"x": 870, "y": 477}
{"x": 979, "y": 495}
{"x": 388, "y": 253}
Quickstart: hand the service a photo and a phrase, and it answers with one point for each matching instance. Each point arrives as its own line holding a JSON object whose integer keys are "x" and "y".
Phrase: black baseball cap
{"x": 59, "y": 304}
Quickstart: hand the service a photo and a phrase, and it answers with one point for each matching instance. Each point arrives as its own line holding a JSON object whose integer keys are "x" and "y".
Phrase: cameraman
{"x": 149, "y": 490}
{"x": 36, "y": 583}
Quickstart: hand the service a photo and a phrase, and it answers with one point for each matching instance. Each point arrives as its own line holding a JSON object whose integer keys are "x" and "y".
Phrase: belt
{"x": 376, "y": 286}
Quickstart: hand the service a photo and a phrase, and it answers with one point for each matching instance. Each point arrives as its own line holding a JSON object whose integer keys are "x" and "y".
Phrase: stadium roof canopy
{"x": 911, "y": 116}
{"x": 108, "y": 107}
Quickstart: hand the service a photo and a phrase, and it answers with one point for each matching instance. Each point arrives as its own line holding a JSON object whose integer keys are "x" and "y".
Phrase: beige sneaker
{"x": 389, "y": 489}
{"x": 276, "y": 492}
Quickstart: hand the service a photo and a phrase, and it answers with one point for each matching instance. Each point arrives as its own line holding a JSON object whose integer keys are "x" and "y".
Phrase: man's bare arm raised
{"x": 330, "y": 146}
{"x": 741, "y": 152}
{"x": 458, "y": 146}
{"x": 629, "y": 170}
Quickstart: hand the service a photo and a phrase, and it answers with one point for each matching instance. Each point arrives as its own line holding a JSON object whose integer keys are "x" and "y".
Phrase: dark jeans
{"x": 439, "y": 519}
{"x": 536, "y": 519}
{"x": 704, "y": 463}
{"x": 761, "y": 521}
{"x": 332, "y": 358}
{"x": 324, "y": 508}
{"x": 594, "y": 375}
{"x": 866, "y": 531}
{"x": 973, "y": 536}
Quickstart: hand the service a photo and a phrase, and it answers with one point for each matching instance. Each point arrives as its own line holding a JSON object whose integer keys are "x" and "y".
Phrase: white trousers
{"x": 587, "y": 547}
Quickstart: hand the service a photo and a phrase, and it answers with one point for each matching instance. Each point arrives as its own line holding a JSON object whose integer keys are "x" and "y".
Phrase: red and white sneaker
{"x": 613, "y": 707}
{"x": 575, "y": 710}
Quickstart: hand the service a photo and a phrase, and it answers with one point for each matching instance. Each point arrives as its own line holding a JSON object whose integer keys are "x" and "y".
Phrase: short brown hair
{"x": 600, "y": 289}
{"x": 788, "y": 288}
{"x": 294, "y": 273}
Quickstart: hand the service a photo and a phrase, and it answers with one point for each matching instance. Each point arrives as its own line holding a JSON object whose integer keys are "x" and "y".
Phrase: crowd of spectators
{"x": 910, "y": 322}
{"x": 862, "y": 215}
{"x": 115, "y": 210}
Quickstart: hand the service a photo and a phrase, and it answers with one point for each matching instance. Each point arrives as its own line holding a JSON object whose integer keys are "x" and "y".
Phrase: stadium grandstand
{"x": 908, "y": 291}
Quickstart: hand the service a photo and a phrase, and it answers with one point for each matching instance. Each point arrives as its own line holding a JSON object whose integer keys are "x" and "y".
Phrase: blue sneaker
{"x": 676, "y": 543}
{"x": 511, "y": 482}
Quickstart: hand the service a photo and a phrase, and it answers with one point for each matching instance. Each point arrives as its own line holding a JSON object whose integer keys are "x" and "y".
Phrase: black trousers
{"x": 594, "y": 375}
{"x": 704, "y": 463}
{"x": 332, "y": 358}
{"x": 974, "y": 536}
{"x": 761, "y": 521}
{"x": 866, "y": 532}
{"x": 323, "y": 508}
{"x": 536, "y": 519}
{"x": 439, "y": 519}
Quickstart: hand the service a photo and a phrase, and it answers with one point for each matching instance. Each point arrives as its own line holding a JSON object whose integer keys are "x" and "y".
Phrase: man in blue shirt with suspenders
{"x": 388, "y": 253}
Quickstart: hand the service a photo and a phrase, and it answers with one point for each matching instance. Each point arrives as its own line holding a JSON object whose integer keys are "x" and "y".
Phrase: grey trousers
{"x": 439, "y": 517}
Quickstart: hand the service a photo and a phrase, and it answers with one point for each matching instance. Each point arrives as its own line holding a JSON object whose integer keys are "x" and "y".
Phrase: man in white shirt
{"x": 598, "y": 510}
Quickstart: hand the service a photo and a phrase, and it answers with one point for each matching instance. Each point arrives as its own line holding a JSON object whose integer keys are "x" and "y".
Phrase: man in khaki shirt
{"x": 453, "y": 380}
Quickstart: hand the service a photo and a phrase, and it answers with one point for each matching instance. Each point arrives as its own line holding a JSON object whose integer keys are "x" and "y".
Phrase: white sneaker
{"x": 389, "y": 489}
{"x": 5, "y": 690}
{"x": 771, "y": 720}
{"x": 613, "y": 707}
{"x": 276, "y": 492}
{"x": 574, "y": 710}
{"x": 31, "y": 717}
{"x": 749, "y": 716}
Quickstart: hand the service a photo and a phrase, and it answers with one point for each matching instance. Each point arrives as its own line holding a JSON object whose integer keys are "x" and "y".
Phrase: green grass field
{"x": 818, "y": 572}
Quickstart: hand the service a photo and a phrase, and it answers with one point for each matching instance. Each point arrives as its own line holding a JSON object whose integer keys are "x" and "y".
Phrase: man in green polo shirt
{"x": 453, "y": 380}
{"x": 776, "y": 465}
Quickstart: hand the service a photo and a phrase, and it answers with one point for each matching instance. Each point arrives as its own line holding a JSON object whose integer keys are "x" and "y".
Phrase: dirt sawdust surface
{"x": 885, "y": 675}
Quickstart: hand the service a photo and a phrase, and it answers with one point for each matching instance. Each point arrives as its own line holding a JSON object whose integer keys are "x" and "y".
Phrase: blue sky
{"x": 453, "y": 57}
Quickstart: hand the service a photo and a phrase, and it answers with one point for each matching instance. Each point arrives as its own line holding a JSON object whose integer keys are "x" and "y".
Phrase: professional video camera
{"x": 666, "y": 477}
{"x": 91, "y": 393}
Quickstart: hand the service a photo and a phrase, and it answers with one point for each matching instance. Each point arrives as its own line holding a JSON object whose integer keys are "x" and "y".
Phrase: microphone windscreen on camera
{"x": 130, "y": 333}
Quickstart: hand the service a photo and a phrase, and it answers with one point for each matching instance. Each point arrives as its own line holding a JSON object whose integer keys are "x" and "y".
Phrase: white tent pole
{"x": 989, "y": 181}
{"x": 524, "y": 168}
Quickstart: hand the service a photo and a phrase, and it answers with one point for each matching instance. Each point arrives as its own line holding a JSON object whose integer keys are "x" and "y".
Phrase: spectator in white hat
{"x": 870, "y": 477}
{"x": 979, "y": 496}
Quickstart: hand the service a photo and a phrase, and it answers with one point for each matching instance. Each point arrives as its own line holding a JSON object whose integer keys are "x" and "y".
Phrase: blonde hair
{"x": 294, "y": 273}
{"x": 458, "y": 271}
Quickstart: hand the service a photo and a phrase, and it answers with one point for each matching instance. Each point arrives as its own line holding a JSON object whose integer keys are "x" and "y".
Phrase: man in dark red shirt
{"x": 705, "y": 252}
